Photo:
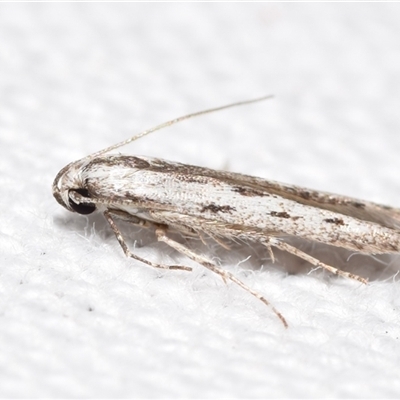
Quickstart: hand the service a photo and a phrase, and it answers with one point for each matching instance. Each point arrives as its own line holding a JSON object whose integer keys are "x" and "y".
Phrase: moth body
{"x": 197, "y": 201}
{"x": 225, "y": 204}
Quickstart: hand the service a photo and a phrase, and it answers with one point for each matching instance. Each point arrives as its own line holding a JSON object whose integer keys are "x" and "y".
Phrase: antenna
{"x": 174, "y": 121}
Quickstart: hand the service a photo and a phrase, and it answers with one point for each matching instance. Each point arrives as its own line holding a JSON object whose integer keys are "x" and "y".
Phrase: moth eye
{"x": 83, "y": 208}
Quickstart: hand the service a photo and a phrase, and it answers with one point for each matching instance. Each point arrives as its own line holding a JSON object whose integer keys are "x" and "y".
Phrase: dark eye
{"x": 83, "y": 208}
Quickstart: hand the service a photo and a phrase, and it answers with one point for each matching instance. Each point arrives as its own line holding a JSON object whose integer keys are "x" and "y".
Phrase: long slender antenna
{"x": 174, "y": 121}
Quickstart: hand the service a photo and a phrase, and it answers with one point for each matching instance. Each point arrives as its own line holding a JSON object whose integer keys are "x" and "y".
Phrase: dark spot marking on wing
{"x": 357, "y": 204}
{"x": 140, "y": 163}
{"x": 246, "y": 191}
{"x": 280, "y": 214}
{"x": 127, "y": 195}
{"x": 305, "y": 194}
{"x": 336, "y": 221}
{"x": 215, "y": 208}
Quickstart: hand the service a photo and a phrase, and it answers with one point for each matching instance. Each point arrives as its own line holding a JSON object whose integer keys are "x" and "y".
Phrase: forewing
{"x": 244, "y": 185}
{"x": 364, "y": 210}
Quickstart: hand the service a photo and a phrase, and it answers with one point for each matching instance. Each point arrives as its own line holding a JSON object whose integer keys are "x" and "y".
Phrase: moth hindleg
{"x": 312, "y": 260}
{"x": 225, "y": 275}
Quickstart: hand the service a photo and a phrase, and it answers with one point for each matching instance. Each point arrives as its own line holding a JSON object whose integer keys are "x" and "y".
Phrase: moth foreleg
{"x": 225, "y": 275}
{"x": 314, "y": 261}
{"x": 128, "y": 253}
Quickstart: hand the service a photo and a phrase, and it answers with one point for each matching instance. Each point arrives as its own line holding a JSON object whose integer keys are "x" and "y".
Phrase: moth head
{"x": 69, "y": 189}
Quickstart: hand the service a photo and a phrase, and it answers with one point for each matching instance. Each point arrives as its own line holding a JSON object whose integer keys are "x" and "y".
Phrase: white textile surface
{"x": 78, "y": 319}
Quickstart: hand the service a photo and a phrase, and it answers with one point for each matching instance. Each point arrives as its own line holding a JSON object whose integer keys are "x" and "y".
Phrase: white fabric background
{"x": 77, "y": 319}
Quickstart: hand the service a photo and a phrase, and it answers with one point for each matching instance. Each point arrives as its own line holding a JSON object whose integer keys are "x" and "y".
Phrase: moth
{"x": 205, "y": 203}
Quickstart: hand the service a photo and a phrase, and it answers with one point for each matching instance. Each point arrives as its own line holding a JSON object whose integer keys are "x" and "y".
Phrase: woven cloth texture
{"x": 78, "y": 319}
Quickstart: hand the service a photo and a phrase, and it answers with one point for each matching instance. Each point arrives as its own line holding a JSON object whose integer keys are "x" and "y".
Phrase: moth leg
{"x": 220, "y": 242}
{"x": 128, "y": 253}
{"x": 216, "y": 240}
{"x": 269, "y": 249}
{"x": 160, "y": 233}
{"x": 314, "y": 261}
